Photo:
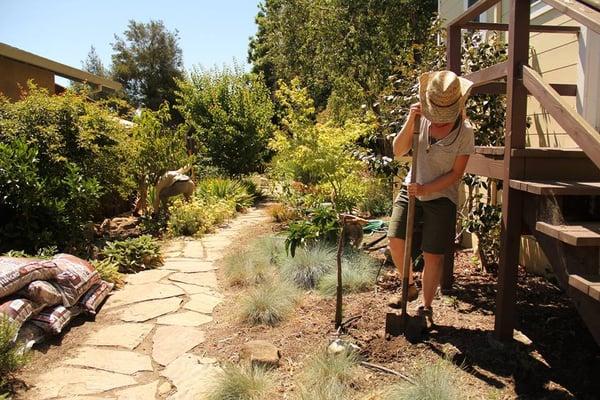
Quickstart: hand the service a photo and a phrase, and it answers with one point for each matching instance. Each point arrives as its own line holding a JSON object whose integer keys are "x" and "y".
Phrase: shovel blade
{"x": 404, "y": 324}
{"x": 395, "y": 324}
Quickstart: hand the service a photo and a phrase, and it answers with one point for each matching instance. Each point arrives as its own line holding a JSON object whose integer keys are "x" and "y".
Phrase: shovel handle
{"x": 410, "y": 217}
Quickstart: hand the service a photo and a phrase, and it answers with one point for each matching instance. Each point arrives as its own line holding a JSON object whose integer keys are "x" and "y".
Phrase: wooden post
{"x": 512, "y": 200}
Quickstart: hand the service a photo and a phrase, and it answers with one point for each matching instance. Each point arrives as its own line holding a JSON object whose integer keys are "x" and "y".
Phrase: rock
{"x": 138, "y": 293}
{"x": 195, "y": 289}
{"x": 261, "y": 353}
{"x": 188, "y": 265}
{"x": 521, "y": 338}
{"x": 164, "y": 388}
{"x": 69, "y": 382}
{"x": 193, "y": 379}
{"x": 203, "y": 303}
{"x": 150, "y": 276}
{"x": 340, "y": 346}
{"x": 147, "y": 391}
{"x": 186, "y": 318}
{"x": 208, "y": 279}
{"x": 121, "y": 335}
{"x": 169, "y": 342}
{"x": 119, "y": 227}
{"x": 150, "y": 309}
{"x": 123, "y": 362}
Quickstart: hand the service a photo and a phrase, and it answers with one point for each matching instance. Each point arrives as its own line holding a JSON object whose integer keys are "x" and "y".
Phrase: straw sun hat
{"x": 443, "y": 95}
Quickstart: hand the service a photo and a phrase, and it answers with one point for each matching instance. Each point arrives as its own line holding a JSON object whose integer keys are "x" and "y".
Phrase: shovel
{"x": 403, "y": 323}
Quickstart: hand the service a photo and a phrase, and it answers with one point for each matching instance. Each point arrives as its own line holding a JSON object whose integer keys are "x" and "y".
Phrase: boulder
{"x": 261, "y": 353}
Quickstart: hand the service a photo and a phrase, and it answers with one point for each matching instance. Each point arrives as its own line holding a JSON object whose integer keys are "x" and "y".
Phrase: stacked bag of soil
{"x": 42, "y": 296}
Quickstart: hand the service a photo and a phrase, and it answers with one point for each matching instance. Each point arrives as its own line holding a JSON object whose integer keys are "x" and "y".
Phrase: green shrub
{"x": 133, "y": 255}
{"x": 225, "y": 189}
{"x": 281, "y": 213}
{"x": 12, "y": 356}
{"x": 43, "y": 253}
{"x": 198, "y": 216}
{"x": 358, "y": 275}
{"x": 241, "y": 383}
{"x": 109, "y": 271}
{"x": 308, "y": 266}
{"x": 327, "y": 376}
{"x": 268, "y": 304}
{"x": 379, "y": 197}
{"x": 322, "y": 226}
{"x": 434, "y": 382}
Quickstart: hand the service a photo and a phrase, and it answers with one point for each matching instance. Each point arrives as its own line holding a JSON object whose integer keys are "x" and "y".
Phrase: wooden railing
{"x": 521, "y": 80}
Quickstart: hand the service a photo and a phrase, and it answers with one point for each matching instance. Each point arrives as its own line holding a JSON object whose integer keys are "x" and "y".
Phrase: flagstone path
{"x": 155, "y": 321}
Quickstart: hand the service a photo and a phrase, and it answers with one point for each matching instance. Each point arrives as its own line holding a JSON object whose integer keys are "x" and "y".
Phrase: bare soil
{"x": 561, "y": 362}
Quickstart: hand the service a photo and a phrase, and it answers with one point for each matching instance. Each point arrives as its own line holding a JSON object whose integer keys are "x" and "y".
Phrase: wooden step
{"x": 556, "y": 188}
{"x": 588, "y": 284}
{"x": 575, "y": 234}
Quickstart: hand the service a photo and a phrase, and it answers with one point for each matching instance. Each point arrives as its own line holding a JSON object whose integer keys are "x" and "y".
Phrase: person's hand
{"x": 414, "y": 110}
{"x": 416, "y": 189}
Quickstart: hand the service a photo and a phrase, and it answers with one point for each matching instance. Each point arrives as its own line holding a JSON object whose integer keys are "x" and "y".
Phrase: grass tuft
{"x": 308, "y": 266}
{"x": 271, "y": 248}
{"x": 12, "y": 356}
{"x": 241, "y": 383}
{"x": 358, "y": 275}
{"x": 436, "y": 381}
{"x": 268, "y": 303}
{"x": 327, "y": 376}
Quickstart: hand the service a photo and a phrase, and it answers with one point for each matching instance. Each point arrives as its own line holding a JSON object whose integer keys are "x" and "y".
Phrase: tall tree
{"x": 147, "y": 61}
{"x": 93, "y": 64}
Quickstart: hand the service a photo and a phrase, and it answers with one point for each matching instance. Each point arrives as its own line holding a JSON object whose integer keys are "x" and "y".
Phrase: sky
{"x": 211, "y": 32}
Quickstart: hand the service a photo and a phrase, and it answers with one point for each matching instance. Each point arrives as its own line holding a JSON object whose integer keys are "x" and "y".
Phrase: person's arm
{"x": 443, "y": 181}
{"x": 403, "y": 141}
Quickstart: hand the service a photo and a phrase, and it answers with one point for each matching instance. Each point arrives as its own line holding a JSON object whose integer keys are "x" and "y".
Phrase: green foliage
{"x": 241, "y": 383}
{"x": 322, "y": 225}
{"x": 135, "y": 254}
{"x": 271, "y": 248}
{"x": 230, "y": 112}
{"x": 327, "y": 376}
{"x": 358, "y": 275}
{"x": 434, "y": 382}
{"x": 378, "y": 199}
{"x": 198, "y": 216}
{"x": 268, "y": 304}
{"x": 63, "y": 162}
{"x": 109, "y": 271}
{"x": 224, "y": 188}
{"x": 43, "y": 253}
{"x": 309, "y": 264}
{"x": 247, "y": 268}
{"x": 147, "y": 60}
{"x": 484, "y": 220}
{"x": 12, "y": 356}
{"x": 281, "y": 212}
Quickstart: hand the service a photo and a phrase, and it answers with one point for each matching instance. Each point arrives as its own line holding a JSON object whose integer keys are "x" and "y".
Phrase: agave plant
{"x": 228, "y": 189}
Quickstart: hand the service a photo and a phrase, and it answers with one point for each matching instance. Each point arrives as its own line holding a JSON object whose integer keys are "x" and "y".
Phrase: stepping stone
{"x": 138, "y": 293}
{"x": 189, "y": 265}
{"x": 202, "y": 303}
{"x": 145, "y": 392}
{"x": 69, "y": 382}
{"x": 150, "y": 276}
{"x": 195, "y": 289}
{"x": 148, "y": 310}
{"x": 169, "y": 342}
{"x": 186, "y": 318}
{"x": 122, "y": 362}
{"x": 121, "y": 335}
{"x": 208, "y": 279}
{"x": 175, "y": 246}
{"x": 197, "y": 250}
{"x": 193, "y": 378}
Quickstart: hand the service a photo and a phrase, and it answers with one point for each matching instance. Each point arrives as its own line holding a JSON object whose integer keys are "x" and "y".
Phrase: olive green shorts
{"x": 434, "y": 219}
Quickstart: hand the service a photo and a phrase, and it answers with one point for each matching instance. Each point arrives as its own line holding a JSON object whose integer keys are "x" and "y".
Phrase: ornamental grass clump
{"x": 327, "y": 376}
{"x": 436, "y": 381}
{"x": 133, "y": 255}
{"x": 308, "y": 265}
{"x": 359, "y": 271}
{"x": 271, "y": 248}
{"x": 12, "y": 355}
{"x": 247, "y": 268}
{"x": 268, "y": 304}
{"x": 241, "y": 382}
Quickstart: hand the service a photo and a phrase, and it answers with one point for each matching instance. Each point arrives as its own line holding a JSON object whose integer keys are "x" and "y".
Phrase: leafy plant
{"x": 135, "y": 254}
{"x": 358, "y": 275}
{"x": 308, "y": 265}
{"x": 241, "y": 382}
{"x": 322, "y": 225}
{"x": 12, "y": 355}
{"x": 228, "y": 189}
{"x": 198, "y": 216}
{"x": 281, "y": 212}
{"x": 484, "y": 221}
{"x": 109, "y": 271}
{"x": 268, "y": 304}
{"x": 434, "y": 382}
{"x": 327, "y": 376}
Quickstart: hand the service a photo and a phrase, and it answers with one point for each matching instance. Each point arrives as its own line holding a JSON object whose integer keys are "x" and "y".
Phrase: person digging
{"x": 445, "y": 141}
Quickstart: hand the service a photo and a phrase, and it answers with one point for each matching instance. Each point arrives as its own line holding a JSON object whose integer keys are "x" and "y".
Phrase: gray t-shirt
{"x": 437, "y": 159}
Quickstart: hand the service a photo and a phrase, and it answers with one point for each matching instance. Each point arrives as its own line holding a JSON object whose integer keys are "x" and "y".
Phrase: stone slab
{"x": 137, "y": 293}
{"x": 148, "y": 310}
{"x": 195, "y": 289}
{"x": 141, "y": 392}
{"x": 169, "y": 342}
{"x": 192, "y": 378}
{"x": 69, "y": 382}
{"x": 118, "y": 361}
{"x": 128, "y": 336}
{"x": 188, "y": 265}
{"x": 202, "y": 303}
{"x": 260, "y": 353}
{"x": 208, "y": 279}
{"x": 150, "y": 276}
{"x": 186, "y": 318}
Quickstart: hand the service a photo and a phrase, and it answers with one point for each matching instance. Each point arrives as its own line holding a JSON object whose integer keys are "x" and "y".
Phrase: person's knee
{"x": 435, "y": 260}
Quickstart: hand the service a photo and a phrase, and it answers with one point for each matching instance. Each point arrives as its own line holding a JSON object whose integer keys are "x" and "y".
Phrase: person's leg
{"x": 432, "y": 275}
{"x": 397, "y": 250}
